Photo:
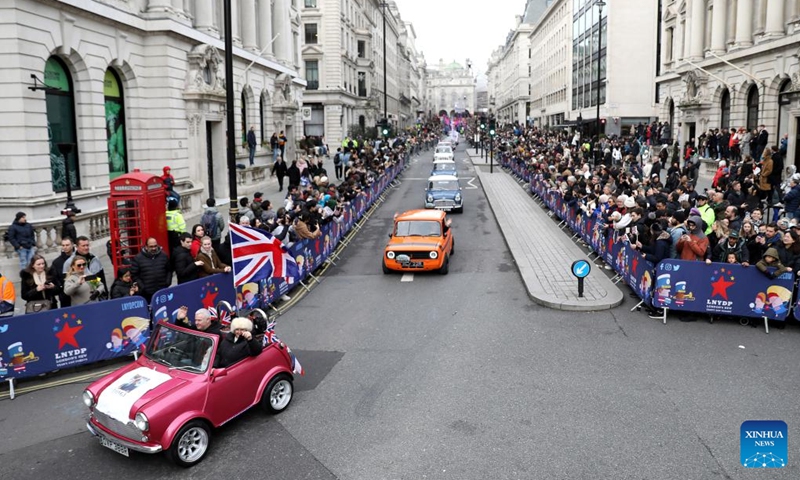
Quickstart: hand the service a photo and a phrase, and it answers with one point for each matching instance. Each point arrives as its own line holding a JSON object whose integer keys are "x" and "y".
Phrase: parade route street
{"x": 463, "y": 376}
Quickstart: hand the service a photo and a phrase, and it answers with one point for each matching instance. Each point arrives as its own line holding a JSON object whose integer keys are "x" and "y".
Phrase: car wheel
{"x": 386, "y": 269}
{"x": 459, "y": 210}
{"x": 445, "y": 266}
{"x": 190, "y": 444}
{"x": 278, "y": 393}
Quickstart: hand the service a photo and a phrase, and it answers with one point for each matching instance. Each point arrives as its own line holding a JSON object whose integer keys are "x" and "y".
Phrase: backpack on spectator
{"x": 209, "y": 222}
{"x": 337, "y": 159}
{"x": 256, "y": 208}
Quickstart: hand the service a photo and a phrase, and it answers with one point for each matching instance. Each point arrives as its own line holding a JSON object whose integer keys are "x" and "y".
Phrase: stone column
{"x": 204, "y": 16}
{"x": 235, "y": 35}
{"x": 177, "y": 6}
{"x": 159, "y": 5}
{"x": 698, "y": 24}
{"x": 744, "y": 23}
{"x": 775, "y": 18}
{"x": 282, "y": 26}
{"x": 265, "y": 27}
{"x": 718, "y": 24}
{"x": 249, "y": 24}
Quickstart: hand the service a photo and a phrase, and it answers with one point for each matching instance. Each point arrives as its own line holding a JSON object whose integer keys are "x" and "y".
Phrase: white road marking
{"x": 407, "y": 277}
{"x": 470, "y": 185}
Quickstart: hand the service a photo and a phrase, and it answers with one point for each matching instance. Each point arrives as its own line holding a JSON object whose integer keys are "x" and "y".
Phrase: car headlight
{"x": 430, "y": 198}
{"x": 458, "y": 197}
{"x": 390, "y": 255}
{"x": 141, "y": 422}
{"x": 434, "y": 255}
{"x": 88, "y": 398}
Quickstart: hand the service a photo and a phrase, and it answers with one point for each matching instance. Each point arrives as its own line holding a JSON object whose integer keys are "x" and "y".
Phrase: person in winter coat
{"x": 76, "y": 285}
{"x": 791, "y": 201}
{"x": 198, "y": 232}
{"x": 764, "y": 184}
{"x": 68, "y": 229}
{"x": 770, "y": 264}
{"x": 185, "y": 266}
{"x": 732, "y": 244}
{"x": 244, "y": 209}
{"x": 280, "y": 170}
{"x": 124, "y": 285}
{"x": 693, "y": 245}
{"x": 211, "y": 263}
{"x": 238, "y": 344}
{"x": 37, "y": 282}
{"x": 204, "y": 321}
{"x": 169, "y": 184}
{"x": 659, "y": 249}
{"x": 293, "y": 173}
{"x": 151, "y": 269}
{"x": 57, "y": 270}
{"x": 22, "y": 238}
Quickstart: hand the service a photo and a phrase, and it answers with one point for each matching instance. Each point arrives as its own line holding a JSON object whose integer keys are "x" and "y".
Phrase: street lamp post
{"x": 234, "y": 209}
{"x": 600, "y": 4}
{"x": 65, "y": 149}
{"x": 385, "y": 95}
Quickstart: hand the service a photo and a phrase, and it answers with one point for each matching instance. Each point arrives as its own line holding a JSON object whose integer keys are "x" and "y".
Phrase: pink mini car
{"x": 172, "y": 397}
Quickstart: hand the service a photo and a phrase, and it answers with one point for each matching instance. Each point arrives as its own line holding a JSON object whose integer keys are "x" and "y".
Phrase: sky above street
{"x": 460, "y": 29}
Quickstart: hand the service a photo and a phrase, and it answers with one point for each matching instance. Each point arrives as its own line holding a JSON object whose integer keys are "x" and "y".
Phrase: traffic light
{"x": 483, "y": 123}
{"x": 492, "y": 129}
{"x": 384, "y": 128}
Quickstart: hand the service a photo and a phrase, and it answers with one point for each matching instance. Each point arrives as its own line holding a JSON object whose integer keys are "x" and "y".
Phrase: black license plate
{"x": 412, "y": 265}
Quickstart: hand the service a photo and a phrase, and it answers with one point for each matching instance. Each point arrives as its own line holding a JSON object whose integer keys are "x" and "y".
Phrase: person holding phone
{"x": 123, "y": 285}
{"x": 76, "y": 286}
{"x": 37, "y": 284}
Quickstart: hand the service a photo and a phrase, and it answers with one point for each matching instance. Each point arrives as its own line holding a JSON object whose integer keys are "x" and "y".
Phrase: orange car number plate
{"x": 114, "y": 446}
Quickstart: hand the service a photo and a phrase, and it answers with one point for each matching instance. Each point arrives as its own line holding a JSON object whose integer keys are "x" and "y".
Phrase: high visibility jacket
{"x": 8, "y": 295}
{"x": 175, "y": 221}
{"x": 708, "y": 216}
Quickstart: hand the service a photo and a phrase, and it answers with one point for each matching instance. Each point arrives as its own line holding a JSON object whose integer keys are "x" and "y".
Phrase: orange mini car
{"x": 421, "y": 241}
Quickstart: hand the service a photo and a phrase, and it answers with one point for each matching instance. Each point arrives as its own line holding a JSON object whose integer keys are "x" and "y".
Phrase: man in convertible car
{"x": 204, "y": 321}
{"x": 237, "y": 344}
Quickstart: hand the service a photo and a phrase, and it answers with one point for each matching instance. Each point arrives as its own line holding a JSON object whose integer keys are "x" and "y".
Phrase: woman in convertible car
{"x": 237, "y": 344}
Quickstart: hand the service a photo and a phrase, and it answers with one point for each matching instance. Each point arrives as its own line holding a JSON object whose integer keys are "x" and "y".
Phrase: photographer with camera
{"x": 123, "y": 285}
{"x": 38, "y": 286}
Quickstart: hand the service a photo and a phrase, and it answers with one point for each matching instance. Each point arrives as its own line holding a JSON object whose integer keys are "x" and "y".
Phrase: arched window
{"x": 752, "y": 108}
{"x": 244, "y": 119}
{"x": 725, "y": 110}
{"x": 672, "y": 113}
{"x": 784, "y": 102}
{"x": 60, "y": 105}
{"x": 115, "y": 125}
{"x": 362, "y": 122}
{"x": 261, "y": 117}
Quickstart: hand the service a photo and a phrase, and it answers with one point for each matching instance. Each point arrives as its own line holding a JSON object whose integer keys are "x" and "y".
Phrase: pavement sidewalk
{"x": 543, "y": 252}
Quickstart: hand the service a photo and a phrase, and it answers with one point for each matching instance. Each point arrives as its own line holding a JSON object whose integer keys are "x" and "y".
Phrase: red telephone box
{"x": 137, "y": 210}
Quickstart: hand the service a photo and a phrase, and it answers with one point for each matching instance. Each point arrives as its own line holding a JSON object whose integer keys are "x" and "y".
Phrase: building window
{"x": 311, "y": 3}
{"x": 60, "y": 105}
{"x": 362, "y": 84}
{"x": 311, "y": 33}
{"x": 725, "y": 110}
{"x": 115, "y": 125}
{"x": 312, "y": 74}
{"x": 316, "y": 126}
{"x": 362, "y": 49}
{"x": 752, "y": 108}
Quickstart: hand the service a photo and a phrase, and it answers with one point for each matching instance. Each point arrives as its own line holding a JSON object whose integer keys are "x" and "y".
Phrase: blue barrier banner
{"x": 638, "y": 273}
{"x": 202, "y": 293}
{"x": 719, "y": 288}
{"x": 42, "y": 342}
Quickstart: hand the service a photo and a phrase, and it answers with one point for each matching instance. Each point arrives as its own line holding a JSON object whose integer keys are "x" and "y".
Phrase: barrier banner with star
{"x": 69, "y": 337}
{"x": 722, "y": 289}
{"x": 206, "y": 292}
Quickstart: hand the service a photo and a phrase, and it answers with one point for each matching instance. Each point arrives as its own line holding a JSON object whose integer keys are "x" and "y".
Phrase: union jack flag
{"x": 258, "y": 255}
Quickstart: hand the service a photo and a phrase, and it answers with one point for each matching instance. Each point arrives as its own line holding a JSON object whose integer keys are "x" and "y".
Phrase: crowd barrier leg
{"x": 637, "y": 307}
{"x": 766, "y": 325}
{"x": 11, "y": 393}
{"x": 665, "y": 315}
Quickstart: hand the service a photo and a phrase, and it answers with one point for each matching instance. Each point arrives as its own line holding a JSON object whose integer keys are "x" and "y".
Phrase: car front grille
{"x": 444, "y": 202}
{"x": 414, "y": 255}
{"x": 128, "y": 430}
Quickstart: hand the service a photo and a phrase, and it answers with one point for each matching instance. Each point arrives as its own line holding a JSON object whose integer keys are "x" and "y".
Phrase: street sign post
{"x": 580, "y": 270}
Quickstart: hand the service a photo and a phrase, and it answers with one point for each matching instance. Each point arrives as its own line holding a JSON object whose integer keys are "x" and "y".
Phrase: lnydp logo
{"x": 763, "y": 444}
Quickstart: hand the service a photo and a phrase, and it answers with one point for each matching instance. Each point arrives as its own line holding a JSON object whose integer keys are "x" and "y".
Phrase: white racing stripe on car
{"x": 407, "y": 277}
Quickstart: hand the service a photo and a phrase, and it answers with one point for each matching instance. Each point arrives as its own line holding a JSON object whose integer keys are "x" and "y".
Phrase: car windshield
{"x": 418, "y": 229}
{"x": 444, "y": 150}
{"x": 444, "y": 185}
{"x": 180, "y": 350}
{"x": 444, "y": 166}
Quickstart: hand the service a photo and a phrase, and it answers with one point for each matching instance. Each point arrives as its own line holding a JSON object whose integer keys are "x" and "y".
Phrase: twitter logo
{"x": 3, "y": 328}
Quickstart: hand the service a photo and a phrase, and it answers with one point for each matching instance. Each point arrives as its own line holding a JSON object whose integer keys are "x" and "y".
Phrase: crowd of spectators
{"x": 648, "y": 194}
